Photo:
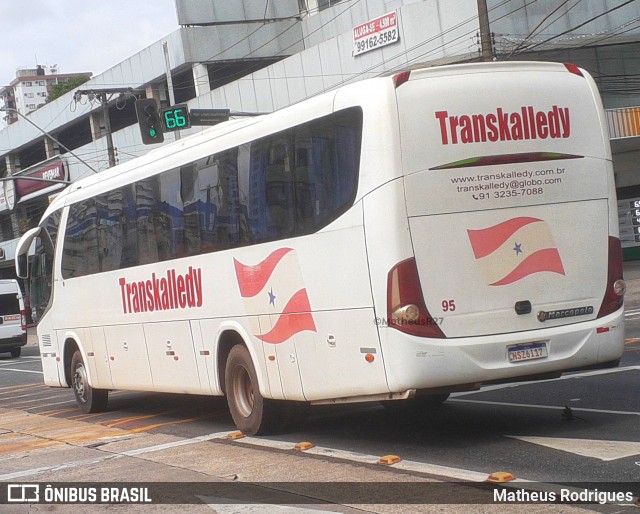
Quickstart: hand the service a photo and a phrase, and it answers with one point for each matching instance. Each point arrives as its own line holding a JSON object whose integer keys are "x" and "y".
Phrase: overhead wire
{"x": 530, "y": 35}
{"x": 572, "y": 29}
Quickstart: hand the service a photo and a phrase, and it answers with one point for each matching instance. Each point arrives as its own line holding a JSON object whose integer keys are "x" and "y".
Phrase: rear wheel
{"x": 252, "y": 414}
{"x": 16, "y": 352}
{"x": 87, "y": 398}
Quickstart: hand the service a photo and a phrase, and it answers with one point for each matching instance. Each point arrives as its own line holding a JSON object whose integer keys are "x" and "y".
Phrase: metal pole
{"x": 107, "y": 128}
{"x": 37, "y": 179}
{"x": 485, "y": 32}
{"x": 167, "y": 66}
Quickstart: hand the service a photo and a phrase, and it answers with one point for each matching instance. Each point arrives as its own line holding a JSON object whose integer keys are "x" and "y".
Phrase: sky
{"x": 79, "y": 35}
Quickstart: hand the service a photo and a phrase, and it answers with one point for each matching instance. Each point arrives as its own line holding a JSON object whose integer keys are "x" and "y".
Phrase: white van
{"x": 13, "y": 319}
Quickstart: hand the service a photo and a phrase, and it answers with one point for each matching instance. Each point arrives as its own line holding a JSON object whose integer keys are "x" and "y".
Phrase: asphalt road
{"x": 523, "y": 429}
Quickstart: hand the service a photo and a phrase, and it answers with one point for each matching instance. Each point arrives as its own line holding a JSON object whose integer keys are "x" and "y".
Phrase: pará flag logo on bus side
{"x": 515, "y": 249}
{"x": 275, "y": 287}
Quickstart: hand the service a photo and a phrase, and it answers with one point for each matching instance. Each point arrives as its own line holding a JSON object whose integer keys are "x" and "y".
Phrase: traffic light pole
{"x": 101, "y": 94}
{"x": 167, "y": 65}
{"x": 107, "y": 128}
{"x": 486, "y": 50}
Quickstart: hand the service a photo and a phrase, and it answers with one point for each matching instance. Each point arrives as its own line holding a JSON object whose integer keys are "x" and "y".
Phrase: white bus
{"x": 393, "y": 240}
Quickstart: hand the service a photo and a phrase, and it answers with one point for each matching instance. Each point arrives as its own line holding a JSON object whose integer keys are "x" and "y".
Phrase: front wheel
{"x": 88, "y": 399}
{"x": 252, "y": 414}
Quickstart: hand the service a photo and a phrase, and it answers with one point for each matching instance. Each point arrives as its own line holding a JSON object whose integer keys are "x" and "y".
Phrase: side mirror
{"x": 22, "y": 266}
{"x": 22, "y": 252}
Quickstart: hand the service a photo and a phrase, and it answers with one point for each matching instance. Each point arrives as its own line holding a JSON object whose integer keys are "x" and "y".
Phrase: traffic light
{"x": 149, "y": 121}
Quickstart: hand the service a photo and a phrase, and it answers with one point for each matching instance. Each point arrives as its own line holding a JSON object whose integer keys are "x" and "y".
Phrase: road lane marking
{"x": 19, "y": 387}
{"x": 575, "y": 375}
{"x": 226, "y": 506}
{"x": 552, "y": 407}
{"x": 52, "y": 413}
{"x": 109, "y": 456}
{"x": 136, "y": 418}
{"x": 22, "y": 404}
{"x": 21, "y": 370}
{"x": 146, "y": 428}
{"x": 59, "y": 467}
{"x": 34, "y": 360}
{"x": 595, "y": 448}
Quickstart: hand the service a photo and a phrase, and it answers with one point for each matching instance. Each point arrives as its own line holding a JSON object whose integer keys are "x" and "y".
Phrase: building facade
{"x": 31, "y": 89}
{"x": 255, "y": 57}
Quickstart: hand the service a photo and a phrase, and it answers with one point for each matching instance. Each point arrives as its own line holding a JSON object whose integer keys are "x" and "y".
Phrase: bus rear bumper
{"x": 419, "y": 363}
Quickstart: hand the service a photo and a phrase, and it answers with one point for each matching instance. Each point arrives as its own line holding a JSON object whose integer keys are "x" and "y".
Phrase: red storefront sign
{"x": 53, "y": 171}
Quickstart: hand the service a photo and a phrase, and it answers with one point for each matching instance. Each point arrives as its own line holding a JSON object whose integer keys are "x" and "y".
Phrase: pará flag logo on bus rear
{"x": 275, "y": 287}
{"x": 514, "y": 249}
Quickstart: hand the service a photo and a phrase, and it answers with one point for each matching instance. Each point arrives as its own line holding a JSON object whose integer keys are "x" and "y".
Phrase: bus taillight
{"x": 573, "y": 69}
{"x": 401, "y": 78}
{"x": 614, "y": 294}
{"x": 406, "y": 310}
{"x": 23, "y": 319}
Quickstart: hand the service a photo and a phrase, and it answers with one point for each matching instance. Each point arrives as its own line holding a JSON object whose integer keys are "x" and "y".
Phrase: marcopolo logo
{"x": 501, "y": 125}
{"x": 565, "y": 313}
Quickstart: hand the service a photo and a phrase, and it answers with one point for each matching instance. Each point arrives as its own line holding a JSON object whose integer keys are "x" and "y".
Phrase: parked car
{"x": 13, "y": 318}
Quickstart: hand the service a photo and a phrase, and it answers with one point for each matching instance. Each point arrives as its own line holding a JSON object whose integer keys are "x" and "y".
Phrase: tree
{"x": 60, "y": 89}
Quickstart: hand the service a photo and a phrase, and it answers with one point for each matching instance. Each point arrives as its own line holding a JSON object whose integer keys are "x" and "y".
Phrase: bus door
{"x": 172, "y": 357}
{"x": 128, "y": 360}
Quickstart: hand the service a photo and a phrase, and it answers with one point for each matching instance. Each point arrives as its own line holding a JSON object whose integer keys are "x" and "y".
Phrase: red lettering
{"x": 541, "y": 124}
{"x": 175, "y": 291}
{"x": 501, "y": 125}
{"x": 442, "y": 118}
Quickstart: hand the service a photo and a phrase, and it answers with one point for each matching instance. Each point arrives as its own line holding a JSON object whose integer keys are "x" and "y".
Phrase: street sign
{"x": 208, "y": 116}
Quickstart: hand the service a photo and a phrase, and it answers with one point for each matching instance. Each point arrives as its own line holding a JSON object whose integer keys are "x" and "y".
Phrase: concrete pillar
{"x": 13, "y": 166}
{"x": 14, "y": 225}
{"x": 97, "y": 125}
{"x": 51, "y": 148}
{"x": 13, "y": 163}
{"x": 152, "y": 92}
{"x": 201, "y": 78}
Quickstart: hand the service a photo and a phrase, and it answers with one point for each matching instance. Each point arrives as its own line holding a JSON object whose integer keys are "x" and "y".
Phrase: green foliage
{"x": 61, "y": 89}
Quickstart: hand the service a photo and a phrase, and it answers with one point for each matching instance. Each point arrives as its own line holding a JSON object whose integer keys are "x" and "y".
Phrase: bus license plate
{"x": 527, "y": 352}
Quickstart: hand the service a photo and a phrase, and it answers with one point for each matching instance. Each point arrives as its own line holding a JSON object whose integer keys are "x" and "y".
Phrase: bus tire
{"x": 88, "y": 399}
{"x": 252, "y": 414}
{"x": 16, "y": 352}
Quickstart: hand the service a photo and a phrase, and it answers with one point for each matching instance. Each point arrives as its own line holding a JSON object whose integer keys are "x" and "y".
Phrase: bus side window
{"x": 279, "y": 188}
{"x": 304, "y": 187}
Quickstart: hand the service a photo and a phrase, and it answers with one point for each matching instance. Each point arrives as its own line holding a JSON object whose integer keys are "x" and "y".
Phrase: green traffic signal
{"x": 149, "y": 121}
